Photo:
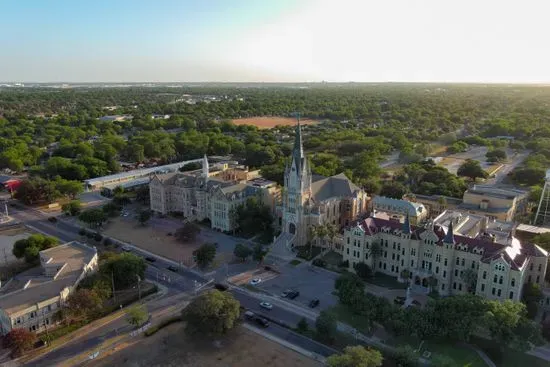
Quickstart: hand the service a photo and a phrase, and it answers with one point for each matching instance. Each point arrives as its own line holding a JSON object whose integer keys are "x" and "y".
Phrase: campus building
{"x": 399, "y": 209}
{"x": 314, "y": 200}
{"x": 479, "y": 257}
{"x": 210, "y": 193}
{"x": 31, "y": 299}
{"x": 494, "y": 202}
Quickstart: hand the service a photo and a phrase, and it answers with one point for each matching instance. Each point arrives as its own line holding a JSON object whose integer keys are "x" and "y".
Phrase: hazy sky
{"x": 275, "y": 40}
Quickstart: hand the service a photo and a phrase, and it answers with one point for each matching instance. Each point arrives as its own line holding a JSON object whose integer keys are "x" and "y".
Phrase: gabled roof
{"x": 337, "y": 186}
{"x": 404, "y": 206}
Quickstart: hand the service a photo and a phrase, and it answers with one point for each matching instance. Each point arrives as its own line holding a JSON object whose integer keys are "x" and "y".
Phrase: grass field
{"x": 170, "y": 347}
{"x": 267, "y": 122}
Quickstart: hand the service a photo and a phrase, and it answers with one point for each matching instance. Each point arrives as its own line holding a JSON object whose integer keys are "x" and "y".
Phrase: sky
{"x": 481, "y": 41}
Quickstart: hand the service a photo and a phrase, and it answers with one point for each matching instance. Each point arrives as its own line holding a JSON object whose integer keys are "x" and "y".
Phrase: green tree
{"x": 205, "y": 254}
{"x": 188, "y": 232}
{"x": 212, "y": 313}
{"x": 144, "y": 216}
{"x": 241, "y": 251}
{"x": 72, "y": 208}
{"x": 405, "y": 357}
{"x": 136, "y": 315}
{"x": 531, "y": 296}
{"x": 440, "y": 360}
{"x": 20, "y": 341}
{"x": 93, "y": 217}
{"x": 83, "y": 305}
{"x": 125, "y": 268}
{"x": 254, "y": 217}
{"x": 326, "y": 327}
{"x": 258, "y": 253}
{"x": 375, "y": 252}
{"x": 363, "y": 270}
{"x": 68, "y": 188}
{"x": 469, "y": 277}
{"x": 543, "y": 240}
{"x": 471, "y": 169}
{"x": 393, "y": 190}
{"x": 357, "y": 356}
{"x": 30, "y": 247}
{"x": 349, "y": 288}
{"x": 496, "y": 155}
{"x": 302, "y": 326}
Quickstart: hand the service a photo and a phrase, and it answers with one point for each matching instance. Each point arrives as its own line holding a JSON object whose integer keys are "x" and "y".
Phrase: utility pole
{"x": 139, "y": 287}
{"x": 113, "y": 283}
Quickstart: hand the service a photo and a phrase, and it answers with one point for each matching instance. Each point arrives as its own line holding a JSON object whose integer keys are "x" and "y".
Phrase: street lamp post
{"x": 139, "y": 287}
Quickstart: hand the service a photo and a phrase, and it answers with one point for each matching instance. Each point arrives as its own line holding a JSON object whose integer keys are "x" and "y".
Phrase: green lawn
{"x": 460, "y": 354}
{"x": 345, "y": 315}
{"x": 383, "y": 280}
{"x": 508, "y": 357}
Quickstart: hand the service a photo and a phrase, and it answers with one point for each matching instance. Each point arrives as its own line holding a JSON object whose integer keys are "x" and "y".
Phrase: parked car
{"x": 255, "y": 281}
{"x": 172, "y": 268}
{"x": 249, "y": 315}
{"x": 52, "y": 219}
{"x": 150, "y": 259}
{"x": 266, "y": 305}
{"x": 126, "y": 248}
{"x": 314, "y": 303}
{"x": 285, "y": 293}
{"x": 399, "y": 300}
{"x": 262, "y": 322}
{"x": 293, "y": 294}
{"x": 221, "y": 287}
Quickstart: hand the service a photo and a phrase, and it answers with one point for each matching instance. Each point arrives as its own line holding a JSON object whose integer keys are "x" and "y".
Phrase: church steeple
{"x": 449, "y": 236}
{"x": 298, "y": 150}
{"x": 205, "y": 167}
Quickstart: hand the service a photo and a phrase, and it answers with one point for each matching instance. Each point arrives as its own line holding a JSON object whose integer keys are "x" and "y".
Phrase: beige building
{"x": 30, "y": 300}
{"x": 498, "y": 203}
{"x": 210, "y": 193}
{"x": 435, "y": 204}
{"x": 314, "y": 200}
{"x": 434, "y": 257}
{"x": 399, "y": 209}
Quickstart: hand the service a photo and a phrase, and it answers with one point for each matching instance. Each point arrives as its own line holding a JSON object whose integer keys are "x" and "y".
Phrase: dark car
{"x": 399, "y": 300}
{"x": 314, "y": 303}
{"x": 172, "y": 268}
{"x": 220, "y": 287}
{"x": 150, "y": 259}
{"x": 262, "y": 322}
{"x": 293, "y": 294}
{"x": 52, "y": 219}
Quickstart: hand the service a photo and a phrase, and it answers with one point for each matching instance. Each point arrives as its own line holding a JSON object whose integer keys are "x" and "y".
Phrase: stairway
{"x": 281, "y": 248}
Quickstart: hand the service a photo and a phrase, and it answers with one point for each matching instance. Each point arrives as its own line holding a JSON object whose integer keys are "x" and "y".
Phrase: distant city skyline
{"x": 127, "y": 41}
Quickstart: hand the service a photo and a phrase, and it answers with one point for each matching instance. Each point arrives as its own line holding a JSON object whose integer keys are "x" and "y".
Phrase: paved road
{"x": 504, "y": 171}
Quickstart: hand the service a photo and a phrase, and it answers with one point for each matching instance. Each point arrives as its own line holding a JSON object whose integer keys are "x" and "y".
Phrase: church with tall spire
{"x": 314, "y": 200}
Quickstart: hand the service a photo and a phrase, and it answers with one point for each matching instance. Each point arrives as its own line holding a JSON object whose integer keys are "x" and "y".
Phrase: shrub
{"x": 344, "y": 264}
{"x": 98, "y": 237}
{"x": 152, "y": 330}
{"x": 320, "y": 263}
{"x": 89, "y": 234}
{"x": 82, "y": 232}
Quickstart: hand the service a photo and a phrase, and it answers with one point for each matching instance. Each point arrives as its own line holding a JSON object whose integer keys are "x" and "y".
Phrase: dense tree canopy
{"x": 212, "y": 313}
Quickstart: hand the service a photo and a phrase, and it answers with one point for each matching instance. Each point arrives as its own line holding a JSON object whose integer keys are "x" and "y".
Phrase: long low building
{"x": 31, "y": 299}
{"x": 118, "y": 179}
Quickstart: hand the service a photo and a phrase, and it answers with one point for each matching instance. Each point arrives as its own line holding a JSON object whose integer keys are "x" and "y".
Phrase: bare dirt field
{"x": 170, "y": 347}
{"x": 151, "y": 239}
{"x": 267, "y": 122}
{"x": 7, "y": 239}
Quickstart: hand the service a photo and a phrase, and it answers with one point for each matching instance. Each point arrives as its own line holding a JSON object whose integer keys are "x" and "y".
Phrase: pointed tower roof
{"x": 298, "y": 150}
{"x": 205, "y": 167}
{"x": 407, "y": 225}
{"x": 449, "y": 236}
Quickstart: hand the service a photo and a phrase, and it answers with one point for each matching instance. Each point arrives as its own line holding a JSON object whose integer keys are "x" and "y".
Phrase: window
{"x": 438, "y": 258}
{"x": 413, "y": 252}
{"x": 484, "y": 275}
{"x": 412, "y": 262}
{"x": 459, "y": 286}
{"x": 500, "y": 280}
{"x": 473, "y": 264}
{"x": 463, "y": 262}
{"x": 483, "y": 287}
{"x": 538, "y": 278}
{"x": 392, "y": 268}
{"x": 454, "y": 285}
{"x": 495, "y": 279}
{"x": 442, "y": 287}
{"x": 445, "y": 262}
{"x": 456, "y": 272}
{"x": 493, "y": 291}
{"x": 380, "y": 264}
{"x": 531, "y": 267}
{"x": 402, "y": 262}
{"x": 444, "y": 274}
{"x": 348, "y": 240}
{"x": 437, "y": 269}
{"x": 366, "y": 255}
{"x": 403, "y": 252}
{"x": 458, "y": 261}
{"x": 540, "y": 267}
{"x": 393, "y": 256}
{"x": 347, "y": 251}
{"x": 499, "y": 292}
{"x": 386, "y": 254}
{"x": 384, "y": 266}
{"x": 511, "y": 295}
{"x": 513, "y": 282}
{"x": 394, "y": 245}
{"x": 529, "y": 279}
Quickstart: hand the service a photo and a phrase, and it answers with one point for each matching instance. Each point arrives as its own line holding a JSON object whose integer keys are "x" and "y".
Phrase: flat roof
{"x": 139, "y": 172}
{"x": 33, "y": 287}
{"x": 532, "y": 229}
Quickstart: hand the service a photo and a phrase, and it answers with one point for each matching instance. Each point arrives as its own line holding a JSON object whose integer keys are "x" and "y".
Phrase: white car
{"x": 255, "y": 281}
{"x": 266, "y": 305}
